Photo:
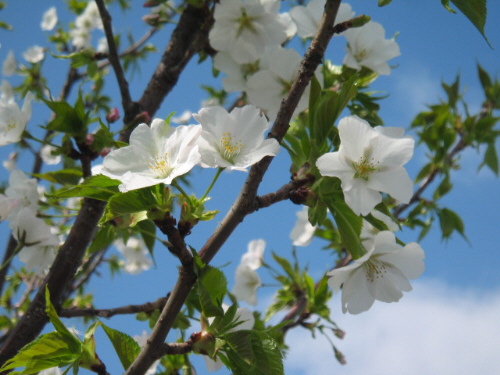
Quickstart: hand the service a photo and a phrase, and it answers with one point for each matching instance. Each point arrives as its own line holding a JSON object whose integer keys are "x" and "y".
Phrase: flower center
{"x": 10, "y": 124}
{"x": 374, "y": 270}
{"x": 160, "y": 166}
{"x": 245, "y": 22}
{"x": 361, "y": 55}
{"x": 364, "y": 168}
{"x": 229, "y": 146}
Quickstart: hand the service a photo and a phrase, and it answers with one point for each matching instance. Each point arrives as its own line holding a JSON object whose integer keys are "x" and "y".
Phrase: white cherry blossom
{"x": 34, "y": 54}
{"x": 9, "y": 64}
{"x": 7, "y": 92}
{"x": 183, "y": 118}
{"x": 369, "y": 161}
{"x": 24, "y": 190}
{"x": 254, "y": 255}
{"x": 303, "y": 231}
{"x": 7, "y": 205}
{"x": 49, "y": 19}
{"x": 135, "y": 254}
{"x": 234, "y": 140}
{"x": 307, "y": 18}
{"x": 156, "y": 154}
{"x": 268, "y": 87}
{"x": 40, "y": 243}
{"x": 48, "y": 157}
{"x": 368, "y": 47}
{"x": 381, "y": 274}
{"x": 245, "y": 28}
{"x": 11, "y": 163}
{"x": 247, "y": 284}
{"x": 13, "y": 120}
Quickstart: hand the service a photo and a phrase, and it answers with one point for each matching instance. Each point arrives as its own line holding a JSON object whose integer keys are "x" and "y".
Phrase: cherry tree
{"x": 118, "y": 184}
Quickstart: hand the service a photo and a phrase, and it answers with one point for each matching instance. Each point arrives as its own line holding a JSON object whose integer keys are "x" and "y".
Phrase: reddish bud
{"x": 152, "y": 19}
{"x": 203, "y": 343}
{"x": 90, "y": 139}
{"x": 113, "y": 115}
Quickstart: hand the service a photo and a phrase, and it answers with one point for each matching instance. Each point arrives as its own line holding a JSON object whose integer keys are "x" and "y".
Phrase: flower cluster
{"x": 160, "y": 153}
{"x": 85, "y": 23}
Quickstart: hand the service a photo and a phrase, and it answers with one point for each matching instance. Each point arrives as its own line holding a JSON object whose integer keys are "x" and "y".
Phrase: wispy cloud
{"x": 435, "y": 329}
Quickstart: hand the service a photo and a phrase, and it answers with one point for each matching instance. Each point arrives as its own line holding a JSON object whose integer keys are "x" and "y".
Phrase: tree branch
{"x": 244, "y": 204}
{"x": 115, "y": 60}
{"x": 108, "y": 313}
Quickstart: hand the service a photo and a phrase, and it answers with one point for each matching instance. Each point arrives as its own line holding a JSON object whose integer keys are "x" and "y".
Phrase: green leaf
{"x": 287, "y": 267}
{"x": 97, "y": 187}
{"x": 130, "y": 202}
{"x": 212, "y": 287}
{"x": 443, "y": 188}
{"x": 383, "y": 3}
{"x": 253, "y": 352}
{"x": 103, "y": 238}
{"x": 125, "y": 346}
{"x": 474, "y": 10}
{"x": 66, "y": 119}
{"x": 148, "y": 233}
{"x": 62, "y": 177}
{"x": 72, "y": 342}
{"x": 349, "y": 225}
{"x": 484, "y": 78}
{"x": 449, "y": 221}
{"x": 490, "y": 158}
{"x": 46, "y": 351}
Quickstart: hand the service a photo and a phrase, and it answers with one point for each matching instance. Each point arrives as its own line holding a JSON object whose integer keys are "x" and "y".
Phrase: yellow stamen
{"x": 229, "y": 147}
{"x": 160, "y": 166}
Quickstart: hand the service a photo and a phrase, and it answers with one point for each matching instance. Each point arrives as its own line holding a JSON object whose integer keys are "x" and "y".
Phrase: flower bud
{"x": 360, "y": 21}
{"x": 113, "y": 115}
{"x": 203, "y": 343}
{"x": 89, "y": 139}
{"x": 152, "y": 19}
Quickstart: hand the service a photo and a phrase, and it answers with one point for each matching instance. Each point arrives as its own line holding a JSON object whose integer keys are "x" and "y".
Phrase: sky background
{"x": 449, "y": 323}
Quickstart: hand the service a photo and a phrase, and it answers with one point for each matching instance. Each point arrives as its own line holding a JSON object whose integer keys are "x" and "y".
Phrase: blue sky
{"x": 458, "y": 297}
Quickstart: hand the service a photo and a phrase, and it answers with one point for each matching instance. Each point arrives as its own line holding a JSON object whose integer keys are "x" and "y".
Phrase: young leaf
{"x": 125, "y": 346}
{"x": 62, "y": 177}
{"x": 98, "y": 187}
{"x": 212, "y": 287}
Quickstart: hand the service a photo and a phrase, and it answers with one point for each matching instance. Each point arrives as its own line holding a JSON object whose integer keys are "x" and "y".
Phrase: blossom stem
{"x": 219, "y": 170}
{"x": 181, "y": 190}
{"x": 16, "y": 251}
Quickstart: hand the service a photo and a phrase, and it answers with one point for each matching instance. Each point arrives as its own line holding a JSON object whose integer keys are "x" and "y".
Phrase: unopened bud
{"x": 360, "y": 21}
{"x": 113, "y": 115}
{"x": 339, "y": 333}
{"x": 152, "y": 3}
{"x": 340, "y": 357}
{"x": 105, "y": 151}
{"x": 89, "y": 139}
{"x": 303, "y": 195}
{"x": 152, "y": 19}
{"x": 203, "y": 343}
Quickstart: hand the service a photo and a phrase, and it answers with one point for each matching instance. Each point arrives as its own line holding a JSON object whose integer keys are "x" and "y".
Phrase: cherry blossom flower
{"x": 9, "y": 64}
{"x": 135, "y": 254}
{"x": 234, "y": 140}
{"x": 34, "y": 54}
{"x": 48, "y": 157}
{"x": 7, "y": 205}
{"x": 89, "y": 20}
{"x": 268, "y": 87}
{"x": 40, "y": 247}
{"x": 254, "y": 255}
{"x": 49, "y": 19}
{"x": 369, "y": 161}
{"x": 156, "y": 154}
{"x": 303, "y": 231}
{"x": 245, "y": 28}
{"x": 381, "y": 274}
{"x": 247, "y": 320}
{"x": 13, "y": 120}
{"x": 24, "y": 190}
{"x": 11, "y": 163}
{"x": 247, "y": 284}
{"x": 141, "y": 340}
{"x": 307, "y": 18}
{"x": 368, "y": 47}
{"x": 7, "y": 92}
{"x": 183, "y": 118}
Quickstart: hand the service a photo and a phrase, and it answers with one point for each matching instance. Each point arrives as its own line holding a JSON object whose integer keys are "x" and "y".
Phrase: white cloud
{"x": 435, "y": 329}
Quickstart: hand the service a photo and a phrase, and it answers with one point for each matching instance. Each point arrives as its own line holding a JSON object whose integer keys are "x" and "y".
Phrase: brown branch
{"x": 114, "y": 59}
{"x": 189, "y": 37}
{"x": 245, "y": 202}
{"x": 66, "y": 263}
{"x": 177, "y": 244}
{"x": 108, "y": 313}
{"x": 417, "y": 195}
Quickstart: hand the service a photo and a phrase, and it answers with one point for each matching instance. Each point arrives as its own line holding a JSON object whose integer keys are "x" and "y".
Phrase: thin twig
{"x": 147, "y": 307}
{"x": 114, "y": 58}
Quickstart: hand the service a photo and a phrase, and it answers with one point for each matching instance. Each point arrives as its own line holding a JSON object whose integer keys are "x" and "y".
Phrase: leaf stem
{"x": 219, "y": 170}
